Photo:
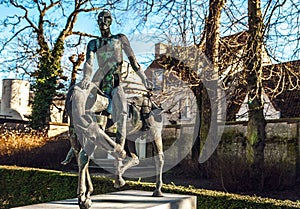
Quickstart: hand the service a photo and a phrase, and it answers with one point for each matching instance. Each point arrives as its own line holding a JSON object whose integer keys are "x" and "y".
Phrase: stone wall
{"x": 15, "y": 99}
{"x": 281, "y": 149}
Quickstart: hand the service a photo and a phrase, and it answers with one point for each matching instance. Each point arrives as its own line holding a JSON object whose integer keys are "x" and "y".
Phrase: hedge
{"x": 24, "y": 186}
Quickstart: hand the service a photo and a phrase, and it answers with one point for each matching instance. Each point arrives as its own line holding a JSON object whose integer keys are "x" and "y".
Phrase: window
{"x": 157, "y": 79}
{"x": 184, "y": 111}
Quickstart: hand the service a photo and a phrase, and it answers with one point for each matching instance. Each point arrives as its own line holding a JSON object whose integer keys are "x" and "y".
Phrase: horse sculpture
{"x": 86, "y": 134}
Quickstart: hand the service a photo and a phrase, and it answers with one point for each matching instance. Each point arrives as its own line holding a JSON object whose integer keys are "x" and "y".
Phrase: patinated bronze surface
{"x": 82, "y": 105}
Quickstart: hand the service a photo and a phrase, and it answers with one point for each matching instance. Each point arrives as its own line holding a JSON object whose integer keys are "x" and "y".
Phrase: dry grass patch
{"x": 22, "y": 139}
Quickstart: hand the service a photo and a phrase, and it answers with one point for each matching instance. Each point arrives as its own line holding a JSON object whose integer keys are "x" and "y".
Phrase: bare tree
{"x": 39, "y": 31}
{"x": 211, "y": 50}
{"x": 256, "y": 133}
{"x": 251, "y": 75}
{"x": 241, "y": 47}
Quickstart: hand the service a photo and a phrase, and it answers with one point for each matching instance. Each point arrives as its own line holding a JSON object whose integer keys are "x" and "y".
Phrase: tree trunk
{"x": 256, "y": 124}
{"x": 196, "y": 146}
{"x": 208, "y": 110}
{"x": 213, "y": 31}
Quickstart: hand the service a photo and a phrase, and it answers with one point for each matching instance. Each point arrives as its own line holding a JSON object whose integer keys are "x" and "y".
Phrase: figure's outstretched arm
{"x": 130, "y": 54}
{"x": 133, "y": 62}
{"x": 88, "y": 65}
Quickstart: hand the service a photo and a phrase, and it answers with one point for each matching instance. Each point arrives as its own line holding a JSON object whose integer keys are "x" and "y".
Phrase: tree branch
{"x": 84, "y": 34}
{"x": 14, "y": 36}
{"x": 26, "y": 14}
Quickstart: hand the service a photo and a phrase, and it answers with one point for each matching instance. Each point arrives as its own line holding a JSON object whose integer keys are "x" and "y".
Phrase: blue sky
{"x": 141, "y": 41}
{"x": 142, "y": 45}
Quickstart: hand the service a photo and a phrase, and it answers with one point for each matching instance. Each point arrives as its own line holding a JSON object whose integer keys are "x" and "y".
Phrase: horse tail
{"x": 68, "y": 102}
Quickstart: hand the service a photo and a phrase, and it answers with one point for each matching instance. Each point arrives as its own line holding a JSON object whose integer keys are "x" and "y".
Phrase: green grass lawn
{"x": 24, "y": 186}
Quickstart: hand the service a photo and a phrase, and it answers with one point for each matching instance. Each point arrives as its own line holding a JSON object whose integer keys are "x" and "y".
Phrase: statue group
{"x": 98, "y": 103}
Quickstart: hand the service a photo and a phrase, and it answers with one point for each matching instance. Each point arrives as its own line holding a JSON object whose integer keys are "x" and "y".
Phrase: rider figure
{"x": 107, "y": 49}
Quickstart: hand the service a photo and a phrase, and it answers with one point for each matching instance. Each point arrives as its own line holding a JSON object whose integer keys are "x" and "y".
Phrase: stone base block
{"x": 129, "y": 199}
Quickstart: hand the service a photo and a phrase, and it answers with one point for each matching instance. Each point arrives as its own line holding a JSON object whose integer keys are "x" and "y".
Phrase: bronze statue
{"x": 86, "y": 133}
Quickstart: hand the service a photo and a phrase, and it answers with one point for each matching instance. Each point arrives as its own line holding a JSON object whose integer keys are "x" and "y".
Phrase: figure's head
{"x": 104, "y": 19}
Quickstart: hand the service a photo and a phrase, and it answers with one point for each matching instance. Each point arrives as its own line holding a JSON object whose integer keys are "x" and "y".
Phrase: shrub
{"x": 23, "y": 186}
{"x": 26, "y": 147}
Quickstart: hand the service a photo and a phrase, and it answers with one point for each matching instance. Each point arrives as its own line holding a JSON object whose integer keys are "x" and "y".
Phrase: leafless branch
{"x": 13, "y": 37}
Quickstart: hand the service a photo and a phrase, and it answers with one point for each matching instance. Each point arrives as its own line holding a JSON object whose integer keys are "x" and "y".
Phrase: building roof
{"x": 282, "y": 85}
{"x": 281, "y": 82}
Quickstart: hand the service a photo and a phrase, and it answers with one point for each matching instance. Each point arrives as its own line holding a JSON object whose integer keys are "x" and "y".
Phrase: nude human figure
{"x": 107, "y": 49}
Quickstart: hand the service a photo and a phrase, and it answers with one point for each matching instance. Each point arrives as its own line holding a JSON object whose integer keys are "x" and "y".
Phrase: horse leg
{"x": 89, "y": 183}
{"x": 134, "y": 160}
{"x": 159, "y": 162}
{"x": 119, "y": 181}
{"x": 119, "y": 115}
{"x": 120, "y": 169}
{"x": 159, "y": 158}
{"x": 84, "y": 202}
{"x": 84, "y": 179}
{"x": 69, "y": 157}
{"x": 75, "y": 146}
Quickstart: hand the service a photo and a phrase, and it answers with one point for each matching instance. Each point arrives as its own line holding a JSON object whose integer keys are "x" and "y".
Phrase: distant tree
{"x": 189, "y": 23}
{"x": 263, "y": 38}
{"x": 211, "y": 51}
{"x": 195, "y": 23}
{"x": 256, "y": 132}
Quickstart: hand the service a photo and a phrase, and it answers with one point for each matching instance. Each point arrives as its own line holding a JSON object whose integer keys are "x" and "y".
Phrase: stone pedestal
{"x": 129, "y": 199}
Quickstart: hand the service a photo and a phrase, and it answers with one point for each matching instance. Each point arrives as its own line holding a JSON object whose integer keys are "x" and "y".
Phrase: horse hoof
{"x": 157, "y": 193}
{"x": 86, "y": 204}
{"x": 119, "y": 182}
{"x": 65, "y": 162}
{"x": 120, "y": 152}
